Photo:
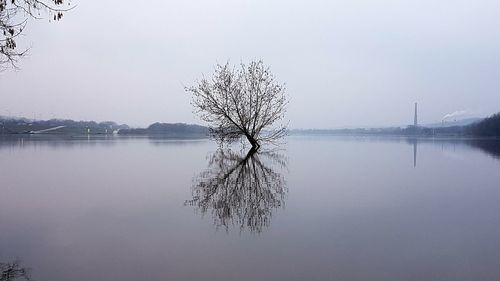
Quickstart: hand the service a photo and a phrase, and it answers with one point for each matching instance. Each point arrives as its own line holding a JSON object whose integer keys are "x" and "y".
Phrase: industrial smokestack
{"x": 415, "y": 121}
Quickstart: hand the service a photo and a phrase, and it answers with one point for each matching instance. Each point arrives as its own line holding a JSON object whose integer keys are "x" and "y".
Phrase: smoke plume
{"x": 458, "y": 113}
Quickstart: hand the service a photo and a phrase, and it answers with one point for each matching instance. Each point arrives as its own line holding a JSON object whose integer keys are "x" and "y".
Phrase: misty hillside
{"x": 454, "y": 123}
{"x": 488, "y": 127}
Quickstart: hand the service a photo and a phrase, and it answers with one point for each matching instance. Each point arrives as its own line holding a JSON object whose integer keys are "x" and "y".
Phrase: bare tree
{"x": 245, "y": 102}
{"x": 14, "y": 16}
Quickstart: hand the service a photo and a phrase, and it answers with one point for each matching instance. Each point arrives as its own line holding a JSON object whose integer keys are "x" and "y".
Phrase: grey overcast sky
{"x": 345, "y": 63}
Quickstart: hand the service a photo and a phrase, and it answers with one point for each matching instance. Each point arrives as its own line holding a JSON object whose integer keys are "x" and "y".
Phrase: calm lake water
{"x": 324, "y": 208}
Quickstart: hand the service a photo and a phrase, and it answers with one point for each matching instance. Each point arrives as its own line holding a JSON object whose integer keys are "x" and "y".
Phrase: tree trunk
{"x": 255, "y": 144}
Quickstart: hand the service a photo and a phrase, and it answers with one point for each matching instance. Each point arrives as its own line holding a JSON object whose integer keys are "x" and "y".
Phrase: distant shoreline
{"x": 485, "y": 128}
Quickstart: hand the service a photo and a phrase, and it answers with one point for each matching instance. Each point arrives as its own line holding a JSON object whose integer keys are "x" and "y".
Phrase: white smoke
{"x": 458, "y": 113}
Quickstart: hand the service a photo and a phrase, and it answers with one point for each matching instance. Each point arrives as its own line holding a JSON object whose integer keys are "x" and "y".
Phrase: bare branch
{"x": 14, "y": 16}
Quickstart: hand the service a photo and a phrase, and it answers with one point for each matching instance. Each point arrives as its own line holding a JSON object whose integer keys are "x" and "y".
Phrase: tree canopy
{"x": 14, "y": 17}
{"x": 241, "y": 102}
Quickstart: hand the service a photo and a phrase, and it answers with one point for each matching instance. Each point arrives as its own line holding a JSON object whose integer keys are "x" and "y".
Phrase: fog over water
{"x": 345, "y": 63}
{"x": 342, "y": 208}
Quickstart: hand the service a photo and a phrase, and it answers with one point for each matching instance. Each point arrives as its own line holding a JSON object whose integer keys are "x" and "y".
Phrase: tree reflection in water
{"x": 240, "y": 190}
{"x": 13, "y": 271}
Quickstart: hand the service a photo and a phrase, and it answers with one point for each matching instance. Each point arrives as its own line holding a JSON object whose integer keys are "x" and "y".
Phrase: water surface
{"x": 325, "y": 208}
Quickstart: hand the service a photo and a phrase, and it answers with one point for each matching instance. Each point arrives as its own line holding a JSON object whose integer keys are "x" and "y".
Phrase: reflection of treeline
{"x": 489, "y": 146}
{"x": 168, "y": 129}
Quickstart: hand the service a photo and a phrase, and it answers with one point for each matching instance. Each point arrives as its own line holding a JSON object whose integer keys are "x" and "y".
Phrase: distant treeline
{"x": 488, "y": 127}
{"x": 71, "y": 127}
{"x": 391, "y": 131}
{"x": 168, "y": 129}
{"x": 26, "y": 126}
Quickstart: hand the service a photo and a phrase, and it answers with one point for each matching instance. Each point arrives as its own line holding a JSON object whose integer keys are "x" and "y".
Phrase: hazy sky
{"x": 345, "y": 63}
